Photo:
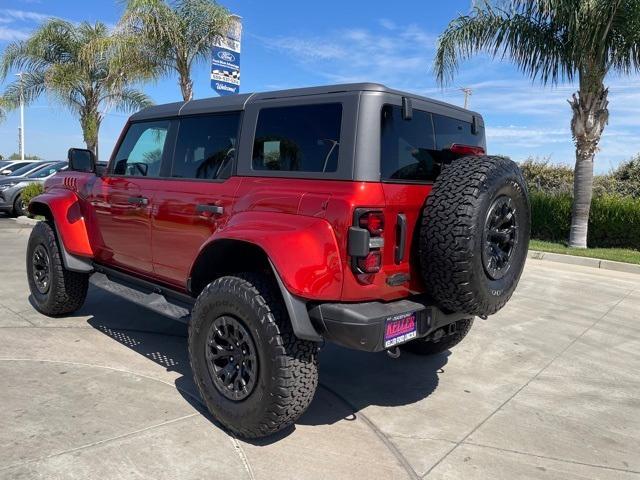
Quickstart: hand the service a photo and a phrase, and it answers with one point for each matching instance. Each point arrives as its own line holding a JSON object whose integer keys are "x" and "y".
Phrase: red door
{"x": 185, "y": 215}
{"x": 198, "y": 196}
{"x": 122, "y": 200}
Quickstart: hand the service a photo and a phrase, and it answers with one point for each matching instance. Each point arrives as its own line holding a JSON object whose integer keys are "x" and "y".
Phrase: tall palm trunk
{"x": 90, "y": 124}
{"x": 186, "y": 86}
{"x": 590, "y": 116}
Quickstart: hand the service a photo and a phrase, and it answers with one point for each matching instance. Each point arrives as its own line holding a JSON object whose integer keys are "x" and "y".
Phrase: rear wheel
{"x": 254, "y": 375}
{"x": 54, "y": 289}
{"x": 441, "y": 340}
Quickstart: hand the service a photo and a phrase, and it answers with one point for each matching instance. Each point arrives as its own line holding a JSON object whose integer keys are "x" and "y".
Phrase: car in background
{"x": 7, "y": 167}
{"x": 29, "y": 168}
{"x": 11, "y": 188}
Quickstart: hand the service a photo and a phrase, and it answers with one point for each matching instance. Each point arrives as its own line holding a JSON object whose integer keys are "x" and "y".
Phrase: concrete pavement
{"x": 547, "y": 388}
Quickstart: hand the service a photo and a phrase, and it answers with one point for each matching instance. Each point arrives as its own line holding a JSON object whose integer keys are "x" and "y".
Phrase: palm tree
{"x": 552, "y": 41}
{"x": 59, "y": 60}
{"x": 173, "y": 37}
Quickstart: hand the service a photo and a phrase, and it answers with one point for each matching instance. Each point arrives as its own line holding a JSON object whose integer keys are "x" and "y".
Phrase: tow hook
{"x": 393, "y": 352}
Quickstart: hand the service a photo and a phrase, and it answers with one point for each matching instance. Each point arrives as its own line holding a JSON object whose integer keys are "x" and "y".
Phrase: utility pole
{"x": 21, "y": 118}
{"x": 467, "y": 93}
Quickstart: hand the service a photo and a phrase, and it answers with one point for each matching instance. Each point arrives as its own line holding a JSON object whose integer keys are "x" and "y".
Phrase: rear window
{"x": 450, "y": 130}
{"x": 414, "y": 150}
{"x": 408, "y": 147}
{"x": 302, "y": 138}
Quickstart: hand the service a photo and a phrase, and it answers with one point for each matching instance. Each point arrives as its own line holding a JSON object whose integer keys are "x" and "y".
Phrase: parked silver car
{"x": 11, "y": 188}
{"x": 7, "y": 167}
{"x": 28, "y": 168}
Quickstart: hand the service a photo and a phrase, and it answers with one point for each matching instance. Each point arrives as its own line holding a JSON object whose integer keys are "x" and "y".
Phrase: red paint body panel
{"x": 67, "y": 211}
{"x": 303, "y": 249}
{"x": 301, "y": 224}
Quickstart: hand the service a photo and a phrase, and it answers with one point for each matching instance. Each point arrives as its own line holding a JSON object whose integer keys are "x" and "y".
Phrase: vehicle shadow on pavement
{"x": 356, "y": 380}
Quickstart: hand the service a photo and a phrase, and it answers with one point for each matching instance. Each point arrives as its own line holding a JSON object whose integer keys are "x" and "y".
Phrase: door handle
{"x": 138, "y": 201}
{"x": 210, "y": 209}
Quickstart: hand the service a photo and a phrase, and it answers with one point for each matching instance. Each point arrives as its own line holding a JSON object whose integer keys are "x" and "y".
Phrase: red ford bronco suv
{"x": 271, "y": 222}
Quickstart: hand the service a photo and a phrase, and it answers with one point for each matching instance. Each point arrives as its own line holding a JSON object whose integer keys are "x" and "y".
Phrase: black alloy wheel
{"x": 231, "y": 358}
{"x": 500, "y": 237}
{"x": 41, "y": 269}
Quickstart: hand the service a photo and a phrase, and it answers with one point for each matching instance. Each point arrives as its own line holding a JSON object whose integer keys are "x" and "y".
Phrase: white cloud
{"x": 9, "y": 31}
{"x": 12, "y": 34}
{"x": 359, "y": 54}
{"x": 23, "y": 15}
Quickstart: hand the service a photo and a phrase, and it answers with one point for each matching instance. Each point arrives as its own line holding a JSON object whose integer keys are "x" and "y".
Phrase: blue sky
{"x": 294, "y": 43}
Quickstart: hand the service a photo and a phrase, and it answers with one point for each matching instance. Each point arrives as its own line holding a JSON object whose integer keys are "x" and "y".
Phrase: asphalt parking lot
{"x": 548, "y": 388}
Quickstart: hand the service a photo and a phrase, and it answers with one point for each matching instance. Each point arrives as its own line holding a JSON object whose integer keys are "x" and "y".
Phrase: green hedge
{"x": 613, "y": 222}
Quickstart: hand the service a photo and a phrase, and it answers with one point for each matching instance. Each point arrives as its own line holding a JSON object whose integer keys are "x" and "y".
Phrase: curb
{"x": 26, "y": 221}
{"x": 584, "y": 261}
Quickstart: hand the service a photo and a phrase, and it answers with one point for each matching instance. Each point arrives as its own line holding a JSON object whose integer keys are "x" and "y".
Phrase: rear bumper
{"x": 362, "y": 326}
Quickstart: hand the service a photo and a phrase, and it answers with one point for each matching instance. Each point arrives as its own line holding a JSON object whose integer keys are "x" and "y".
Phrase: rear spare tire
{"x": 474, "y": 234}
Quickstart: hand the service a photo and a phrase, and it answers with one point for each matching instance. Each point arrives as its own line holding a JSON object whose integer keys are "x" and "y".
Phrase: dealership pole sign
{"x": 225, "y": 60}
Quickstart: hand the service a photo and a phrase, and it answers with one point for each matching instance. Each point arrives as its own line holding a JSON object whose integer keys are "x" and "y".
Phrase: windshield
{"x": 3, "y": 163}
{"x": 26, "y": 169}
{"x": 48, "y": 170}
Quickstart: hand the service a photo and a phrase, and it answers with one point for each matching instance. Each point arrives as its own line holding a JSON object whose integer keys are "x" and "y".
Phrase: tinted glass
{"x": 16, "y": 166}
{"x": 48, "y": 170}
{"x": 407, "y": 146}
{"x": 26, "y": 169}
{"x": 3, "y": 163}
{"x": 449, "y": 131}
{"x": 298, "y": 139}
{"x": 206, "y": 146}
{"x": 140, "y": 153}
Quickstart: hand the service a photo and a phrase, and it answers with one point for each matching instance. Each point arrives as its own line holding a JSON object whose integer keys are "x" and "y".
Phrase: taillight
{"x": 372, "y": 221}
{"x": 365, "y": 241}
{"x": 466, "y": 149}
{"x": 371, "y": 263}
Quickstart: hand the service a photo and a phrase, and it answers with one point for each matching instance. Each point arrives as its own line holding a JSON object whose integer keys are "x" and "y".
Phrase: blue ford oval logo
{"x": 226, "y": 56}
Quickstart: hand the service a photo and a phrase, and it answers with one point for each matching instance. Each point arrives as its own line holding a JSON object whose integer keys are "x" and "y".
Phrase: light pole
{"x": 21, "y": 118}
{"x": 467, "y": 93}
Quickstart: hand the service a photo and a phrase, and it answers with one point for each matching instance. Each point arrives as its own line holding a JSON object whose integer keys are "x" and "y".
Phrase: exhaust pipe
{"x": 393, "y": 352}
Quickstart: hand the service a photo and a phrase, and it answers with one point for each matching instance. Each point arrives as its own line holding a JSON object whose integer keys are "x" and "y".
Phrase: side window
{"x": 206, "y": 146}
{"x": 450, "y": 130}
{"x": 303, "y": 138}
{"x": 407, "y": 148}
{"x": 140, "y": 153}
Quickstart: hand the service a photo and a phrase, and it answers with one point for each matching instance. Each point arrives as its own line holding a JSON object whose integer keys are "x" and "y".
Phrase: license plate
{"x": 400, "y": 329}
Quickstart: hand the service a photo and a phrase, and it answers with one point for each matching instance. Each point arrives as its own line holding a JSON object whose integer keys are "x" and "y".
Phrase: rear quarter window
{"x": 407, "y": 146}
{"x": 451, "y": 130}
{"x": 304, "y": 138}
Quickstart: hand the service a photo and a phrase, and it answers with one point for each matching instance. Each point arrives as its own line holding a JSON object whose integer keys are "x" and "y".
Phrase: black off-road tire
{"x": 287, "y": 366}
{"x": 432, "y": 346}
{"x": 67, "y": 290}
{"x": 452, "y": 234}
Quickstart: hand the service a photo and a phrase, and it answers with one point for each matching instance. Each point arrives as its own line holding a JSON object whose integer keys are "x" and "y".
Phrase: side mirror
{"x": 81, "y": 160}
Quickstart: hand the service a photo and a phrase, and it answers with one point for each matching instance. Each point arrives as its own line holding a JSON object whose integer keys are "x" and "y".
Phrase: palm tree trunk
{"x": 186, "y": 86}
{"x": 590, "y": 116}
{"x": 90, "y": 123}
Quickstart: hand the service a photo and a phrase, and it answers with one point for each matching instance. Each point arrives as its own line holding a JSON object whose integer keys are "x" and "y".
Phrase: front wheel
{"x": 20, "y": 207}
{"x": 441, "y": 340}
{"x": 254, "y": 375}
{"x": 54, "y": 289}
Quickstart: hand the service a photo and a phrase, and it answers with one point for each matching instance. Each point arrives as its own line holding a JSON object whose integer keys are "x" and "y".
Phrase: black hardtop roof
{"x": 240, "y": 101}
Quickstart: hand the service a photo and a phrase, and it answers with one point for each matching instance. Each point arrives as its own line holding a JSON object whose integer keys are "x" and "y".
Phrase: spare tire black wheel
{"x": 474, "y": 234}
